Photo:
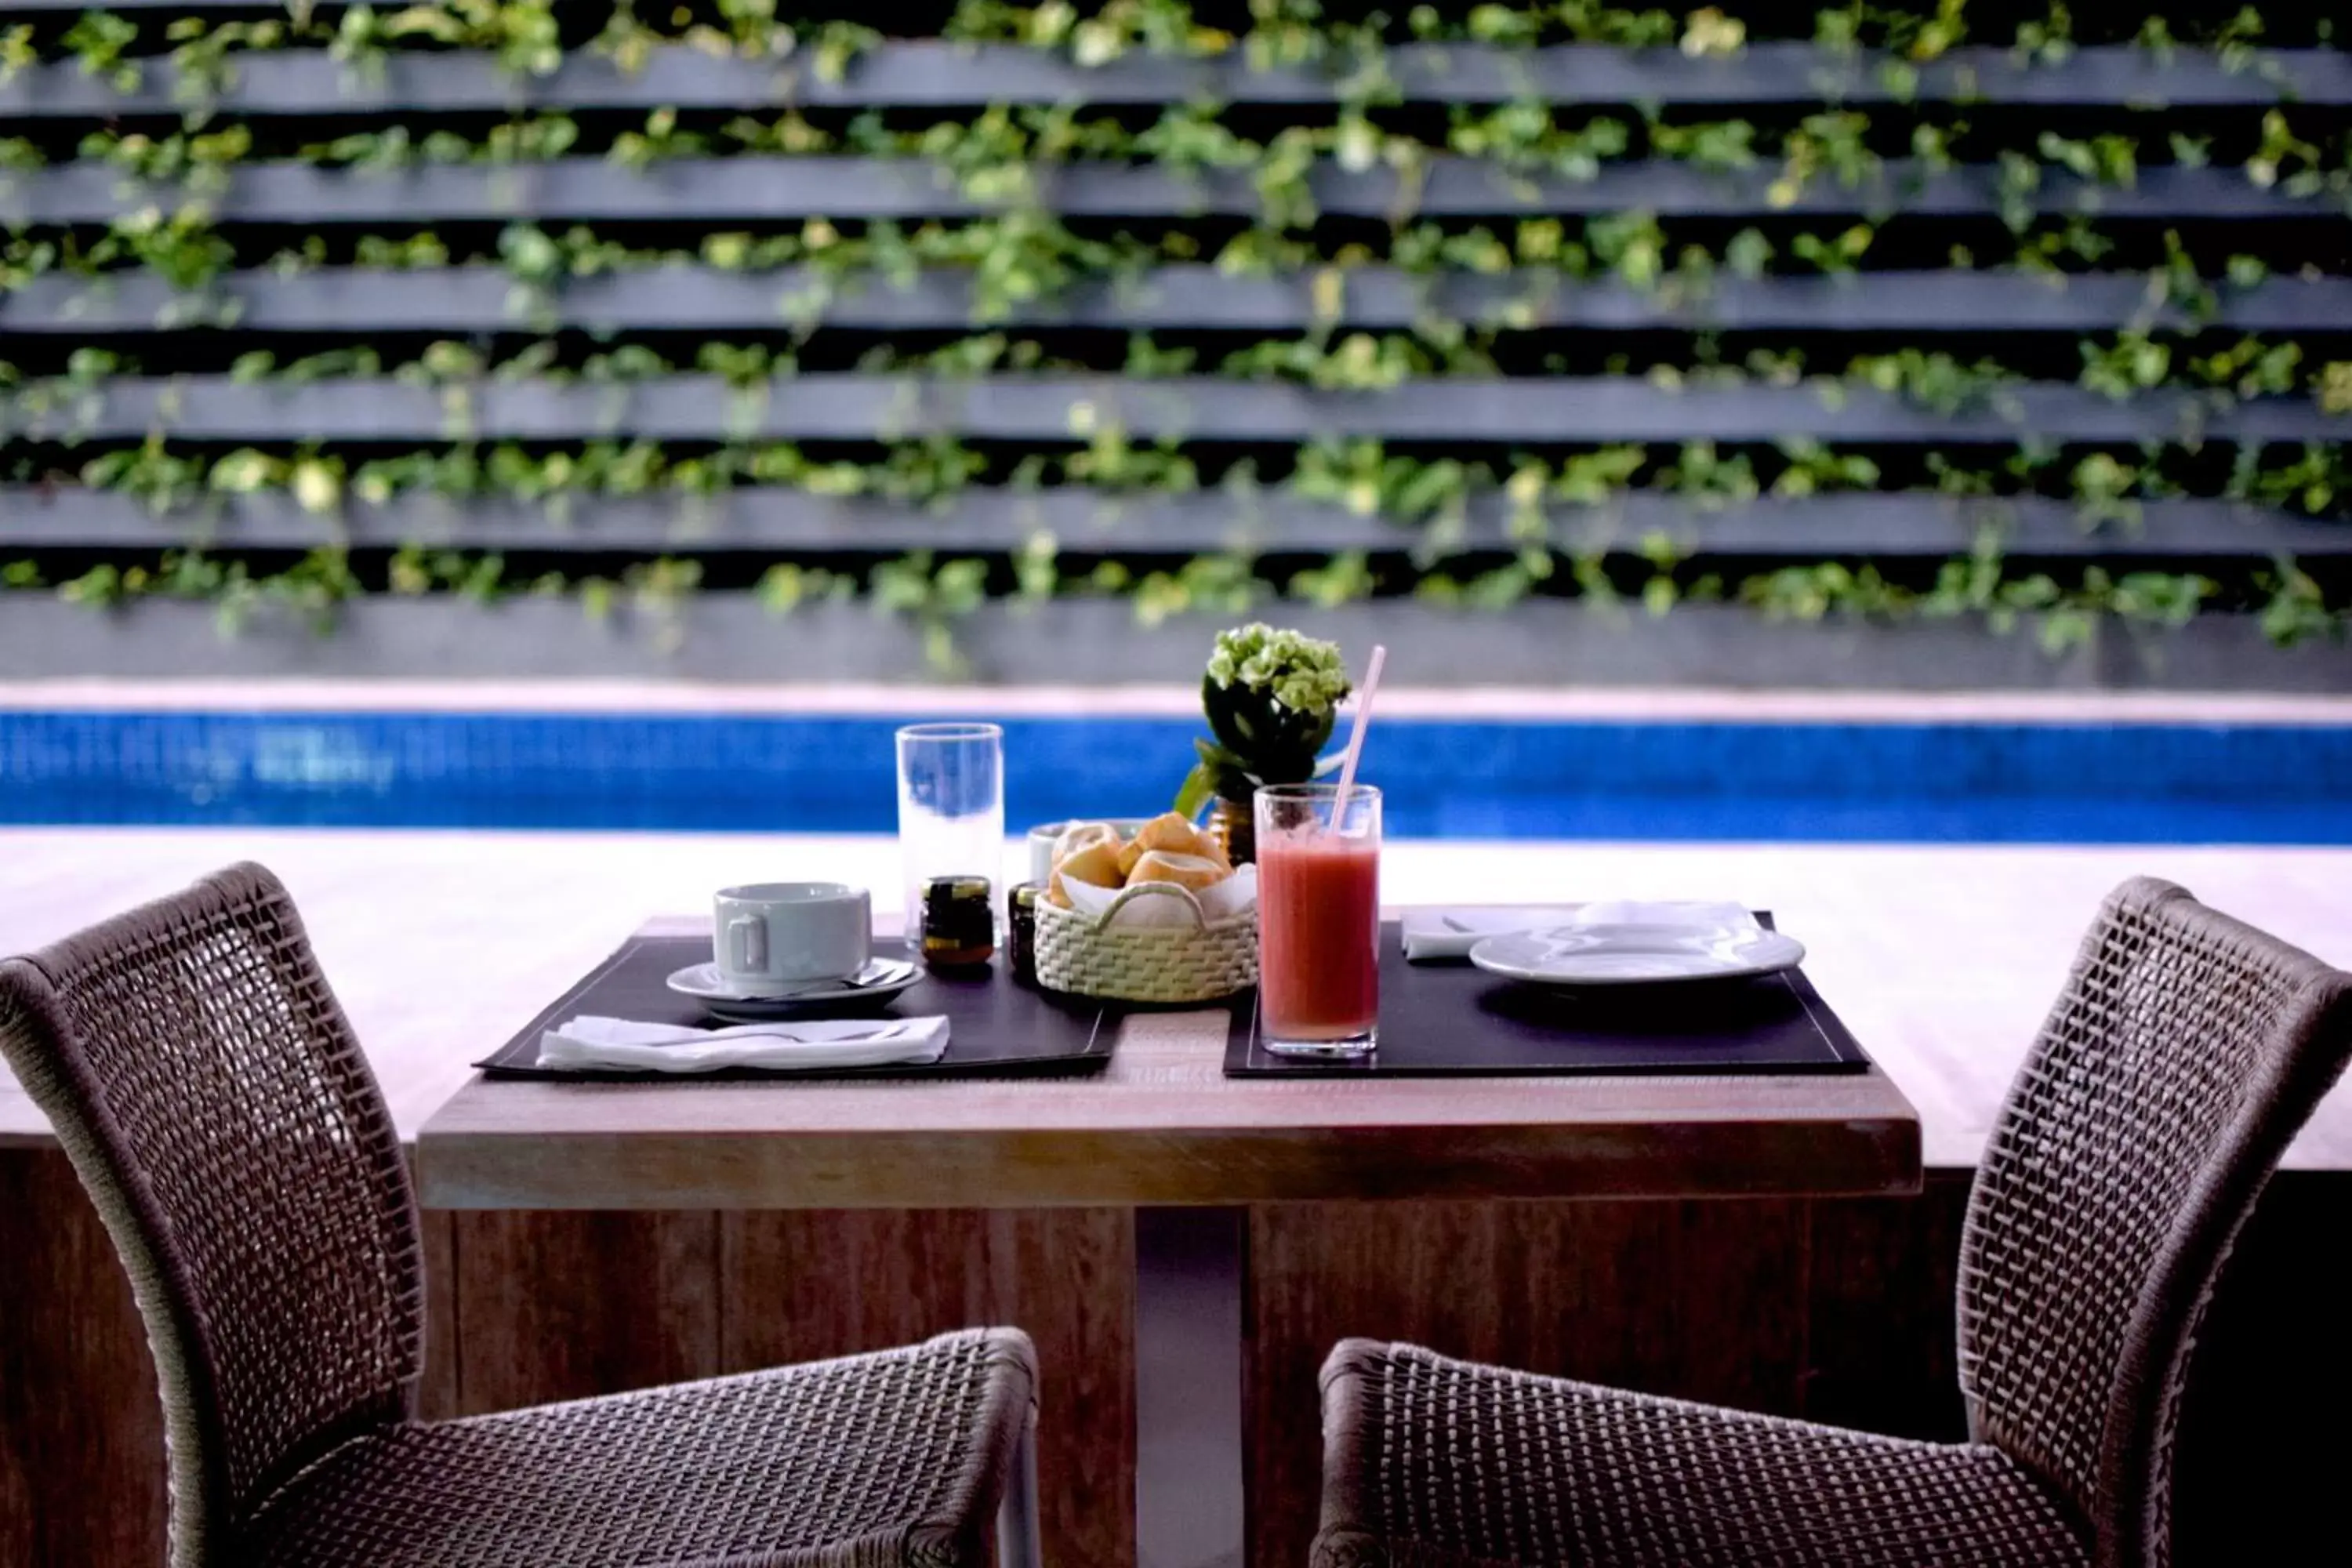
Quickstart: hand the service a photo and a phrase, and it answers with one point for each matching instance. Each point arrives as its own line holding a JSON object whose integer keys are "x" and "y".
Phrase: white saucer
{"x": 881, "y": 978}
{"x": 1636, "y": 954}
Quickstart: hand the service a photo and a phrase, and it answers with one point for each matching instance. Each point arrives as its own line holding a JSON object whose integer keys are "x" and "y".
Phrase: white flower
{"x": 1300, "y": 672}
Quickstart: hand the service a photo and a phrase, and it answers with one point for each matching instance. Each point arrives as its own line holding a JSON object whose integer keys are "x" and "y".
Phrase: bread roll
{"x": 1169, "y": 834}
{"x": 1193, "y": 872}
{"x": 1079, "y": 834}
{"x": 1095, "y": 863}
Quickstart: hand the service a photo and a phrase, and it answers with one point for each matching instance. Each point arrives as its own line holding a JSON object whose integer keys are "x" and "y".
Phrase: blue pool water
{"x": 1955, "y": 781}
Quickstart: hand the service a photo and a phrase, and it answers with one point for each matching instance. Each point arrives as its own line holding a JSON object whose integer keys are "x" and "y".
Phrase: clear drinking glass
{"x": 1318, "y": 918}
{"x": 950, "y": 807}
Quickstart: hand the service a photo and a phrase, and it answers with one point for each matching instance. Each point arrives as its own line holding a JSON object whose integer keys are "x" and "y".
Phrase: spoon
{"x": 876, "y": 971}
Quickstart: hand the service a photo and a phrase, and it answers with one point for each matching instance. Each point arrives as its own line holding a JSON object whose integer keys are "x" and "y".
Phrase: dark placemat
{"x": 994, "y": 1026}
{"x": 1455, "y": 1019}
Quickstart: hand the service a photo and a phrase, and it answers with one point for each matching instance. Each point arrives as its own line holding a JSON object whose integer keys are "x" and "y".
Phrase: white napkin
{"x": 1220, "y": 901}
{"x": 1437, "y": 934}
{"x": 589, "y": 1041}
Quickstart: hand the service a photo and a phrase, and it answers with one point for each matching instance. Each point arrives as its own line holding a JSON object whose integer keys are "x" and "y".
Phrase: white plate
{"x": 881, "y": 978}
{"x": 1636, "y": 954}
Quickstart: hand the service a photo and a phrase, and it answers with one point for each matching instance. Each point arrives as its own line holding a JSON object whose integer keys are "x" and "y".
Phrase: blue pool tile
{"x": 1970, "y": 781}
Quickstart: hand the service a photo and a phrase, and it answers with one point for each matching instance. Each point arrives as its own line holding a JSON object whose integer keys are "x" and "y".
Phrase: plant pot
{"x": 1235, "y": 829}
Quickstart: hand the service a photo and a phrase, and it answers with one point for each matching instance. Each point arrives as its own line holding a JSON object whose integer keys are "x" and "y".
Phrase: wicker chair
{"x": 211, "y": 1095}
{"x": 2184, "y": 1054}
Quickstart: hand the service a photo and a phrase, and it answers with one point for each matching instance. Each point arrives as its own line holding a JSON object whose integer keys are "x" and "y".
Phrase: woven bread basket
{"x": 1204, "y": 962}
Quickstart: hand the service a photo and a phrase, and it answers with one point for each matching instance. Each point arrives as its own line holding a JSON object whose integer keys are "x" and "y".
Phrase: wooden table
{"x": 1161, "y": 1130}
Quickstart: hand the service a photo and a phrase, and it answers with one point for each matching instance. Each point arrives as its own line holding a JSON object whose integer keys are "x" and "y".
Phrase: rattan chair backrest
{"x": 211, "y": 1095}
{"x": 2185, "y": 1051}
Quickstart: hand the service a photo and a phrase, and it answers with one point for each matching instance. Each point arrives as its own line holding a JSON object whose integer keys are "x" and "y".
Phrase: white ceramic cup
{"x": 1041, "y": 843}
{"x": 790, "y": 931}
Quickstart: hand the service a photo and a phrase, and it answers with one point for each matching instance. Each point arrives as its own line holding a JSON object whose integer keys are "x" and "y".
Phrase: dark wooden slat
{"x": 729, "y": 638}
{"x": 1638, "y": 1295}
{"x": 682, "y": 297}
{"x": 728, "y": 189}
{"x": 1881, "y": 1323}
{"x": 764, "y": 519}
{"x": 797, "y": 1286}
{"x": 562, "y": 1306}
{"x": 854, "y": 407}
{"x": 82, "y": 1428}
{"x": 930, "y": 72}
{"x": 437, "y": 1393}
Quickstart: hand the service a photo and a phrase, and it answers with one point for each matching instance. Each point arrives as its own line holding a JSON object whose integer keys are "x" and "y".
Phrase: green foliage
{"x": 1023, "y": 257}
{"x": 99, "y": 40}
{"x": 525, "y": 35}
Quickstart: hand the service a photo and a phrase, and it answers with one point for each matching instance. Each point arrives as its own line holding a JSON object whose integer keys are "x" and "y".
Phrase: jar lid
{"x": 955, "y": 889}
{"x": 1024, "y": 895}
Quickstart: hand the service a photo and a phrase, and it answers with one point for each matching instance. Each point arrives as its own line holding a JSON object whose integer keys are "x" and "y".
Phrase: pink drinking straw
{"x": 1356, "y": 735}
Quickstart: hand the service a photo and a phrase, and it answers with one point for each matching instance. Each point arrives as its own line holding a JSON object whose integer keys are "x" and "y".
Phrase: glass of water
{"x": 950, "y": 807}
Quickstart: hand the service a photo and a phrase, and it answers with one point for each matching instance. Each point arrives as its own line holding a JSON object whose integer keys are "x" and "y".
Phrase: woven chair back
{"x": 2184, "y": 1053}
{"x": 213, "y": 1100}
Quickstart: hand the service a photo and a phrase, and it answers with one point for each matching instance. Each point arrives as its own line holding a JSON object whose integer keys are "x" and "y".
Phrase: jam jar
{"x": 1021, "y": 931}
{"x": 958, "y": 922}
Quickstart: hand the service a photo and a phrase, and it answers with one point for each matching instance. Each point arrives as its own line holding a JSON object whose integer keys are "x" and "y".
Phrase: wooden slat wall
{"x": 758, "y": 187}
{"x": 1841, "y": 1311}
{"x": 918, "y": 72}
{"x": 854, "y": 406}
{"x": 473, "y": 298}
{"x": 562, "y": 1306}
{"x": 762, "y": 519}
{"x": 176, "y": 328}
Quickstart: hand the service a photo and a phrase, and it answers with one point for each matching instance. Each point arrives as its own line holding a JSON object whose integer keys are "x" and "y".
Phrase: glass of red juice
{"x": 1318, "y": 918}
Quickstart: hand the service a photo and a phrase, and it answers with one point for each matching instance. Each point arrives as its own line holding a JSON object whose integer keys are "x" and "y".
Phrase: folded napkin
{"x": 815, "y": 1043}
{"x": 1438, "y": 934}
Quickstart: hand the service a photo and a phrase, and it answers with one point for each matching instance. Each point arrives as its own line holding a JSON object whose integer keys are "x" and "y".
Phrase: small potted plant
{"x": 1270, "y": 698}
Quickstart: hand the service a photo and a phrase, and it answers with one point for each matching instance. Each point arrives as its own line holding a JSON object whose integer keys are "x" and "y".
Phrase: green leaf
{"x": 1199, "y": 787}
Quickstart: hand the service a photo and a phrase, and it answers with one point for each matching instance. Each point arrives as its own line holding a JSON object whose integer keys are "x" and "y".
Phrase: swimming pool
{"x": 1470, "y": 777}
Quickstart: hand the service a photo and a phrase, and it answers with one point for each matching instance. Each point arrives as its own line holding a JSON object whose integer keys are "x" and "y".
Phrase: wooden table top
{"x": 1160, "y": 1125}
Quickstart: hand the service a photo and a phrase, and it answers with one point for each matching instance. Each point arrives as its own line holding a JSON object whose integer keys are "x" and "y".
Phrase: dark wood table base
{"x": 1189, "y": 1425}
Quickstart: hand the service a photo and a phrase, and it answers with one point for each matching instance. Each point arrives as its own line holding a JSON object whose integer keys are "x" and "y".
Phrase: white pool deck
{"x": 1941, "y": 958}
